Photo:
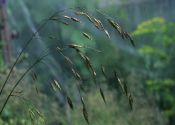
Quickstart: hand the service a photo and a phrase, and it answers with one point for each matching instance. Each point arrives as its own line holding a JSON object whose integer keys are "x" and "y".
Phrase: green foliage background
{"x": 147, "y": 69}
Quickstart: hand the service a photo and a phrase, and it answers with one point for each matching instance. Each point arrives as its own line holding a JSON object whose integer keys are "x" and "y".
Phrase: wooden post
{"x": 4, "y": 32}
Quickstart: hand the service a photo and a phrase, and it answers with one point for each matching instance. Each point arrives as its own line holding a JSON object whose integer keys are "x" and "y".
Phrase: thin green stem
{"x": 18, "y": 57}
{"x": 23, "y": 49}
{"x": 17, "y": 83}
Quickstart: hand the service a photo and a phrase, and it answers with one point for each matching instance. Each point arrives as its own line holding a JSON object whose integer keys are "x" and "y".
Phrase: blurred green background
{"x": 147, "y": 69}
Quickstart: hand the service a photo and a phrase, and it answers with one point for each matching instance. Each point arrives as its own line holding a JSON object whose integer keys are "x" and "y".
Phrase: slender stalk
{"x": 17, "y": 83}
{"x": 23, "y": 49}
{"x": 18, "y": 57}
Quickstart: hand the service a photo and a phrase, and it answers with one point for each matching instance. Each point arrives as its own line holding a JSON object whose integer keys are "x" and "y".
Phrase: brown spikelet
{"x": 130, "y": 99}
{"x": 67, "y": 17}
{"x": 32, "y": 114}
{"x": 97, "y": 23}
{"x": 34, "y": 76}
{"x": 102, "y": 95}
{"x": 107, "y": 33}
{"x": 89, "y": 65}
{"x": 85, "y": 114}
{"x": 123, "y": 33}
{"x": 103, "y": 71}
{"x": 58, "y": 48}
{"x": 77, "y": 76}
{"x": 83, "y": 58}
{"x": 53, "y": 87}
{"x": 119, "y": 81}
{"x": 57, "y": 84}
{"x": 82, "y": 101}
{"x": 36, "y": 89}
{"x": 78, "y": 47}
{"x": 125, "y": 88}
{"x": 75, "y": 19}
{"x": 89, "y": 18}
{"x": 79, "y": 13}
{"x": 68, "y": 60}
{"x": 69, "y": 101}
{"x": 100, "y": 24}
{"x": 87, "y": 36}
{"x": 75, "y": 46}
{"x": 130, "y": 38}
{"x": 74, "y": 72}
{"x": 115, "y": 26}
{"x": 87, "y": 61}
{"x": 39, "y": 113}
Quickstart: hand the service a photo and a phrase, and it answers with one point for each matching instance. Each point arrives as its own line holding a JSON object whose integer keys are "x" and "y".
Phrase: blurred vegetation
{"x": 158, "y": 34}
{"x": 147, "y": 68}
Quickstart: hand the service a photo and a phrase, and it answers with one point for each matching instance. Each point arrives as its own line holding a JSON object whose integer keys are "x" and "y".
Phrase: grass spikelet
{"x": 107, "y": 33}
{"x": 78, "y": 47}
{"x": 72, "y": 18}
{"x": 69, "y": 101}
{"x": 75, "y": 19}
{"x": 123, "y": 33}
{"x": 59, "y": 49}
{"x": 68, "y": 60}
{"x": 119, "y": 81}
{"x": 36, "y": 88}
{"x": 89, "y": 18}
{"x": 34, "y": 76}
{"x": 130, "y": 99}
{"x": 32, "y": 114}
{"x": 125, "y": 88}
{"x": 115, "y": 26}
{"x": 87, "y": 36}
{"x": 79, "y": 13}
{"x": 97, "y": 23}
{"x": 82, "y": 101}
{"x": 76, "y": 74}
{"x": 130, "y": 38}
{"x": 89, "y": 65}
{"x": 103, "y": 71}
{"x": 53, "y": 87}
{"x": 57, "y": 84}
{"x": 75, "y": 46}
{"x": 85, "y": 114}
{"x": 122, "y": 84}
{"x": 39, "y": 113}
{"x": 102, "y": 95}
{"x": 67, "y": 17}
